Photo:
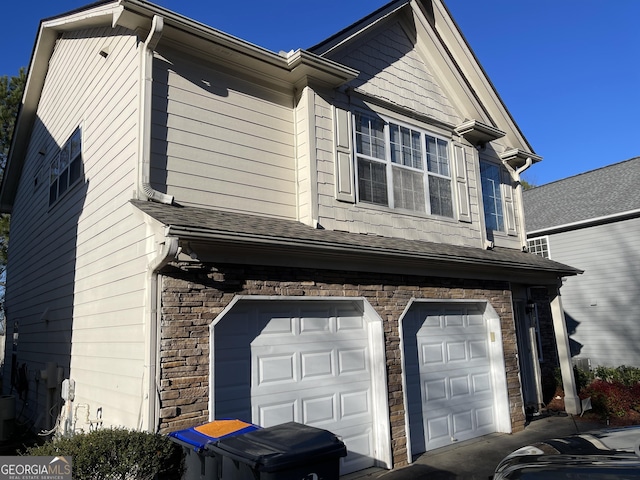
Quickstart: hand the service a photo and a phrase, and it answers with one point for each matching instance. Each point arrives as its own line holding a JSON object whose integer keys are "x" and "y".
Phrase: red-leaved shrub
{"x": 612, "y": 398}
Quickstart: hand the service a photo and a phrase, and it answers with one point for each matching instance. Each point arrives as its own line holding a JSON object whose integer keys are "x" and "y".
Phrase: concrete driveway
{"x": 478, "y": 458}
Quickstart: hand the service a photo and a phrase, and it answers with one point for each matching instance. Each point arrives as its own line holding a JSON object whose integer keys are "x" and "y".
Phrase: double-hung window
{"x": 66, "y": 167}
{"x": 402, "y": 167}
{"x": 491, "y": 196}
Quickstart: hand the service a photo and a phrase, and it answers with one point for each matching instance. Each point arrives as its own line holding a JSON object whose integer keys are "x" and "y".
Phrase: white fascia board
{"x": 48, "y": 33}
{"x": 339, "y": 39}
{"x": 464, "y": 57}
{"x": 289, "y": 68}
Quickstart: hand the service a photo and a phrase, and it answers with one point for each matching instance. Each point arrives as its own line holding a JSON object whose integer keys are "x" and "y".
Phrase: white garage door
{"x": 449, "y": 382}
{"x": 308, "y": 362}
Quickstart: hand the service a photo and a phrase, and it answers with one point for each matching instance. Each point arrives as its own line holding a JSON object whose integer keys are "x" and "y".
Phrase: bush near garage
{"x": 628, "y": 376}
{"x": 614, "y": 392}
{"x": 117, "y": 454}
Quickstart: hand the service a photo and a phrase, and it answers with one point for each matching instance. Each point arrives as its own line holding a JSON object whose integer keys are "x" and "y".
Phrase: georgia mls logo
{"x": 35, "y": 468}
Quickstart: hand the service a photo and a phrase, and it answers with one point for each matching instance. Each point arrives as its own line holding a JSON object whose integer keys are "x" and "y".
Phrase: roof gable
{"x": 592, "y": 196}
{"x": 447, "y": 58}
{"x": 392, "y": 69}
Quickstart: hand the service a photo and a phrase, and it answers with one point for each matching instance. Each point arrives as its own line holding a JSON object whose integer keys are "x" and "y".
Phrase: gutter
{"x": 169, "y": 251}
{"x": 145, "y": 112}
{"x": 515, "y": 172}
{"x": 236, "y": 238}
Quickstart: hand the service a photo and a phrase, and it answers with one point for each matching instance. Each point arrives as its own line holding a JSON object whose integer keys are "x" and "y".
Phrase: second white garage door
{"x": 450, "y": 386}
{"x": 309, "y": 362}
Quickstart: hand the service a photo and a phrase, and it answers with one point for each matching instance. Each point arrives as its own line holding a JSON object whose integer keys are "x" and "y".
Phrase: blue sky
{"x": 568, "y": 70}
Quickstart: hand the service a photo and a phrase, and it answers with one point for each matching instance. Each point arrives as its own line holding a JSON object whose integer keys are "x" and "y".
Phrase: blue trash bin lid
{"x": 200, "y": 436}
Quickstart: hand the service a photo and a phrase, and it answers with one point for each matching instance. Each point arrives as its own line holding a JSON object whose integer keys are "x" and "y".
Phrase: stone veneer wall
{"x": 192, "y": 298}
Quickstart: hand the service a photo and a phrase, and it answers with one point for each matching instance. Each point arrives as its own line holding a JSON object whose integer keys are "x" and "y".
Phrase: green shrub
{"x": 117, "y": 454}
{"x": 624, "y": 374}
{"x": 582, "y": 377}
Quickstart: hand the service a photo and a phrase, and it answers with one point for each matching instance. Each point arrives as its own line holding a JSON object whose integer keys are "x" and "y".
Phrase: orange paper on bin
{"x": 220, "y": 428}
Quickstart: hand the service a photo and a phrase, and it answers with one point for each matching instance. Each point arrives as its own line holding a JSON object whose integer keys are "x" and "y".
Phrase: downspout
{"x": 515, "y": 175}
{"x": 146, "y": 112}
{"x": 170, "y": 250}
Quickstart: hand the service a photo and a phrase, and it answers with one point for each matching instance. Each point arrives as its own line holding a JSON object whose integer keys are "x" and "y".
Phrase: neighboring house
{"x": 204, "y": 229}
{"x": 592, "y": 221}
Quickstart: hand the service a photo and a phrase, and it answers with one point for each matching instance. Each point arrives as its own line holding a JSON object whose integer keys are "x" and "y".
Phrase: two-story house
{"x": 592, "y": 220}
{"x": 202, "y": 228}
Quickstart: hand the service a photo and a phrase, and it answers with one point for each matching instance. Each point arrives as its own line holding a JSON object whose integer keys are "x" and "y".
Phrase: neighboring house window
{"x": 539, "y": 246}
{"x": 66, "y": 167}
{"x": 491, "y": 196}
{"x": 402, "y": 167}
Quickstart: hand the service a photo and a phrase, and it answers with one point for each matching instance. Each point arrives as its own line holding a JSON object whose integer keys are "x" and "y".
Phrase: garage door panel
{"x": 438, "y": 432}
{"x": 462, "y": 423}
{"x": 479, "y": 350}
{"x": 316, "y": 365}
{"x": 453, "y": 319}
{"x": 361, "y": 450}
{"x": 350, "y": 321}
{"x": 275, "y": 412}
{"x": 276, "y": 369}
{"x": 481, "y": 383}
{"x": 449, "y": 388}
{"x": 456, "y": 352}
{"x": 308, "y": 362}
{"x": 319, "y": 410}
{"x": 352, "y": 361}
{"x": 315, "y": 325}
{"x": 433, "y": 353}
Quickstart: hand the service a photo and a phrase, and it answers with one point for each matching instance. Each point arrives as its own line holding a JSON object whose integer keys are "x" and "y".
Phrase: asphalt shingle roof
{"x": 598, "y": 193}
{"x": 217, "y": 224}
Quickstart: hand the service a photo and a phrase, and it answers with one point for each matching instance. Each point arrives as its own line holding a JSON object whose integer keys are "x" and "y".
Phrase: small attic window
{"x": 539, "y": 246}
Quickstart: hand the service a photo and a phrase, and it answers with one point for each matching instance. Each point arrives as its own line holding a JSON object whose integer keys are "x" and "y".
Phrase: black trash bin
{"x": 201, "y": 463}
{"x": 291, "y": 451}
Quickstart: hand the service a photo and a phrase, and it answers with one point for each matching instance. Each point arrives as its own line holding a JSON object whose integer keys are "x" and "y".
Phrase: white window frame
{"x": 65, "y": 170}
{"x": 543, "y": 244}
{"x": 420, "y": 165}
{"x": 497, "y": 190}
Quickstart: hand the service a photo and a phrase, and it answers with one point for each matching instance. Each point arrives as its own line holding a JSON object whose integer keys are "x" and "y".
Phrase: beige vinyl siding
{"x": 227, "y": 143}
{"x": 95, "y": 249}
{"x": 392, "y": 69}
